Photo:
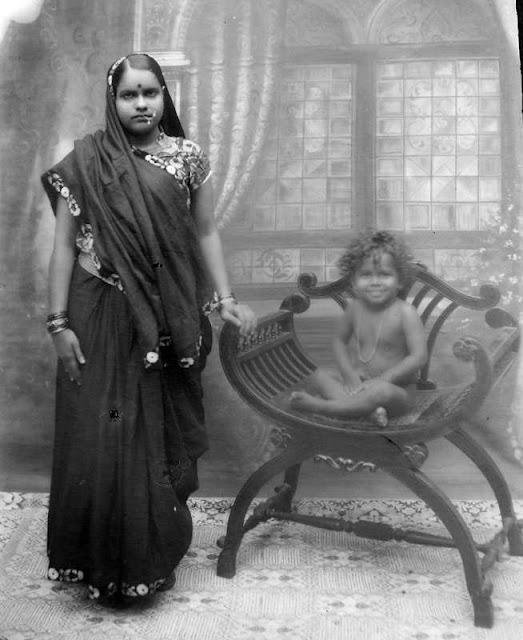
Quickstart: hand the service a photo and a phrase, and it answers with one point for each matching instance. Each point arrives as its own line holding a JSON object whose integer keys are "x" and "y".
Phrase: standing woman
{"x": 135, "y": 242}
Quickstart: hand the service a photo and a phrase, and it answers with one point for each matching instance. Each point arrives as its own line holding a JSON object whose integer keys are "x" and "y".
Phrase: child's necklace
{"x": 378, "y": 337}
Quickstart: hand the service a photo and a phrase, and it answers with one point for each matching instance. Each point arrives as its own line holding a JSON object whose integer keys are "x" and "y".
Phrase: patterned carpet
{"x": 293, "y": 582}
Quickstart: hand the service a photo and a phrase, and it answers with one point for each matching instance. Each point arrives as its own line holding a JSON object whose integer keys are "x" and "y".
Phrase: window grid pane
{"x": 438, "y": 160}
{"x": 282, "y": 265}
{"x": 307, "y": 183}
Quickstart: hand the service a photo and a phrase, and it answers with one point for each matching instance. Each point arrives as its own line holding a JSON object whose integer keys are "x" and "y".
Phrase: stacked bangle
{"x": 227, "y": 296}
{"x": 57, "y": 322}
{"x": 216, "y": 303}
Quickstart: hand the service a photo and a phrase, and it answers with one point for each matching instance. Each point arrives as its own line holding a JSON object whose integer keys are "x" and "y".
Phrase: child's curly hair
{"x": 371, "y": 242}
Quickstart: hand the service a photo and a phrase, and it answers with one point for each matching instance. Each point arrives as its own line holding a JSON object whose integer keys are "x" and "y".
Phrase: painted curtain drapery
{"x": 235, "y": 51}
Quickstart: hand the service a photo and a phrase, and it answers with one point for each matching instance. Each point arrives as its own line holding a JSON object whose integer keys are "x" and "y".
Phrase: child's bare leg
{"x": 375, "y": 394}
{"x": 322, "y": 382}
{"x": 328, "y": 384}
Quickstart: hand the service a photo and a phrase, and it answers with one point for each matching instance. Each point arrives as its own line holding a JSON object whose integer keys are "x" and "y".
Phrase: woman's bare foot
{"x": 380, "y": 417}
{"x": 303, "y": 400}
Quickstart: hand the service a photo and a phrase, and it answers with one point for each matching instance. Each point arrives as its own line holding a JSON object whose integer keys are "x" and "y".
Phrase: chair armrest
{"x": 470, "y": 349}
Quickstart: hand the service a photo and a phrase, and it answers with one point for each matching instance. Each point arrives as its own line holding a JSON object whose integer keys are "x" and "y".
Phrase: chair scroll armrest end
{"x": 498, "y": 318}
{"x": 490, "y": 294}
{"x": 296, "y": 302}
{"x": 469, "y": 349}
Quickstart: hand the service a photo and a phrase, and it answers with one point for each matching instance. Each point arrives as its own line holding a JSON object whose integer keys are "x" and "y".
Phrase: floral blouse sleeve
{"x": 199, "y": 167}
{"x": 57, "y": 183}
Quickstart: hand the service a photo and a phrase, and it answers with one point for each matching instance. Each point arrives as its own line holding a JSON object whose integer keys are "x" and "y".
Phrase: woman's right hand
{"x": 240, "y": 315}
{"x": 69, "y": 352}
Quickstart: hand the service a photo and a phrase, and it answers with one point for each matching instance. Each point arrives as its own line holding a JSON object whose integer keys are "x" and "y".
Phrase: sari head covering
{"x": 141, "y": 222}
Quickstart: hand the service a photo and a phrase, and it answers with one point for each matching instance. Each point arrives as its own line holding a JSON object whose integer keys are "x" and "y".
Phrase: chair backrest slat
{"x": 259, "y": 372}
{"x": 419, "y": 297}
{"x": 431, "y": 306}
{"x": 270, "y": 360}
{"x": 270, "y": 371}
{"x": 299, "y": 364}
{"x": 286, "y": 375}
{"x": 249, "y": 378}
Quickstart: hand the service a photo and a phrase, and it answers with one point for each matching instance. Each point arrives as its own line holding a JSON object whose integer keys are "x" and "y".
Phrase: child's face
{"x": 376, "y": 282}
{"x": 139, "y": 102}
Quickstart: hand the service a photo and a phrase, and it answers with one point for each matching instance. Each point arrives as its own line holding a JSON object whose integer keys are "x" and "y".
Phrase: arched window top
{"x": 330, "y": 23}
{"x": 320, "y": 24}
{"x": 339, "y": 23}
{"x": 430, "y": 22}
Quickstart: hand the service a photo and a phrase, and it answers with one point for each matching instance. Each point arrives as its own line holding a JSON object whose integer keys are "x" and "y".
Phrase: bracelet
{"x": 221, "y": 299}
{"x": 57, "y": 330}
{"x": 57, "y": 315}
{"x": 57, "y": 326}
{"x": 225, "y": 296}
{"x": 57, "y": 322}
{"x": 215, "y": 303}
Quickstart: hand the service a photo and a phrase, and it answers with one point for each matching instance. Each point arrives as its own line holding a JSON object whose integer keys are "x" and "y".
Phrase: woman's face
{"x": 139, "y": 104}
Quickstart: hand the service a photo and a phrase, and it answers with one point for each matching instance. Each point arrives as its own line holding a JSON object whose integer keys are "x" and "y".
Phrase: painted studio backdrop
{"x": 320, "y": 117}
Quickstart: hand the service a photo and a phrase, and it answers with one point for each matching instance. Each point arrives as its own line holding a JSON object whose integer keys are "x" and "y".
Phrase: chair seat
{"x": 428, "y": 406}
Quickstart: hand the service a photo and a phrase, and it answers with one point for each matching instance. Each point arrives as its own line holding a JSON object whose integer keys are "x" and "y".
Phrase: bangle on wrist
{"x": 57, "y": 322}
{"x": 216, "y": 303}
{"x": 222, "y": 299}
{"x": 226, "y": 296}
{"x": 57, "y": 330}
{"x": 57, "y": 315}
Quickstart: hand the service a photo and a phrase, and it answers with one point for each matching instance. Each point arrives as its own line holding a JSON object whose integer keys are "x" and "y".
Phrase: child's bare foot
{"x": 379, "y": 416}
{"x": 302, "y": 400}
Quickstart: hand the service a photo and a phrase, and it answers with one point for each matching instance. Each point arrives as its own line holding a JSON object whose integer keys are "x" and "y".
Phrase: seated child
{"x": 380, "y": 345}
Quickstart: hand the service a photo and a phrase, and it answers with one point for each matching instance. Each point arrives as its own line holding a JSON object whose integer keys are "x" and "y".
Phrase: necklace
{"x": 154, "y": 159}
{"x": 378, "y": 337}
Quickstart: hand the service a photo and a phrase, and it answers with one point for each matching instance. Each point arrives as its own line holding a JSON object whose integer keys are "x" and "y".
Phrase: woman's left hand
{"x": 240, "y": 315}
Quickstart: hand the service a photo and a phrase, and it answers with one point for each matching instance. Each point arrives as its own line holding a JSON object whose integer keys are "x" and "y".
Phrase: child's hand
{"x": 369, "y": 383}
{"x": 353, "y": 384}
{"x": 239, "y": 314}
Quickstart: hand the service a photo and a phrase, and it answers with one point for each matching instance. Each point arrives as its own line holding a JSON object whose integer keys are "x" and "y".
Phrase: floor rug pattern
{"x": 293, "y": 582}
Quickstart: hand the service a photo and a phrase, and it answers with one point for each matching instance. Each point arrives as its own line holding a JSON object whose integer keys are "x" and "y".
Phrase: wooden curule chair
{"x": 266, "y": 366}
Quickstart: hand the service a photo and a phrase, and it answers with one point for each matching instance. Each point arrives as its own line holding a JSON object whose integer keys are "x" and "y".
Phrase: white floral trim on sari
{"x": 88, "y": 258}
{"x": 58, "y": 184}
{"x": 133, "y": 590}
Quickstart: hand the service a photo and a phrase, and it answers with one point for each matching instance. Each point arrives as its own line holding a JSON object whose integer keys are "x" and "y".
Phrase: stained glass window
{"x": 437, "y": 158}
{"x": 304, "y": 182}
{"x": 283, "y": 265}
{"x": 438, "y": 163}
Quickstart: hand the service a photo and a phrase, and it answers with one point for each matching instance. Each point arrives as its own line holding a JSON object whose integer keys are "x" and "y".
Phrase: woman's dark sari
{"x": 127, "y": 439}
